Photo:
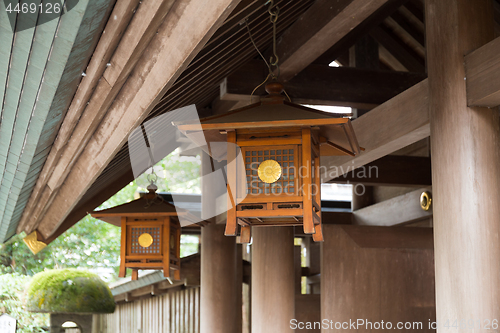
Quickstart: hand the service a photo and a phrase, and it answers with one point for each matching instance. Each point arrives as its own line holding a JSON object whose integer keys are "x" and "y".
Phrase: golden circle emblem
{"x": 269, "y": 171}
{"x": 145, "y": 240}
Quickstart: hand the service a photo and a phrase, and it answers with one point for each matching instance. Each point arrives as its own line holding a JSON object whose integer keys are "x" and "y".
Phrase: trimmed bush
{"x": 69, "y": 291}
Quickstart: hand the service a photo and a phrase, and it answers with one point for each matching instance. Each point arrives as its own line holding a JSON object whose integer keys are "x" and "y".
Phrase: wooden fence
{"x": 173, "y": 312}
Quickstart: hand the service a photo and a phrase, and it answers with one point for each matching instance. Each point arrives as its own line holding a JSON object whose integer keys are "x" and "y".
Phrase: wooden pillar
{"x": 213, "y": 188}
{"x": 375, "y": 275}
{"x": 220, "y": 301}
{"x": 363, "y": 55}
{"x": 465, "y": 148}
{"x": 273, "y": 294}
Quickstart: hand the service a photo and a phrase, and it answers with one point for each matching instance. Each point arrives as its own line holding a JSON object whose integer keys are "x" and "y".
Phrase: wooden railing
{"x": 173, "y": 312}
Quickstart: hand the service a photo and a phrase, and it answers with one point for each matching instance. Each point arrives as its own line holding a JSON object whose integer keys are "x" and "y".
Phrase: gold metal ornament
{"x": 269, "y": 171}
{"x": 145, "y": 240}
{"x": 425, "y": 200}
{"x": 33, "y": 243}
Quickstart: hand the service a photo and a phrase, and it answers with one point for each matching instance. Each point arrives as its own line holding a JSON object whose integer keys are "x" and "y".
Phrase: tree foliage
{"x": 12, "y": 301}
{"x": 91, "y": 244}
{"x": 94, "y": 244}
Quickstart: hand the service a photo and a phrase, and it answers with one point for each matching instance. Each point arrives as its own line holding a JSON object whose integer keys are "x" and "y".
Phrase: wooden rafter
{"x": 482, "y": 70}
{"x": 95, "y": 95}
{"x": 402, "y": 209}
{"x": 362, "y": 29}
{"x": 209, "y": 67}
{"x": 321, "y": 27}
{"x": 154, "y": 73}
{"x": 393, "y": 125}
{"x": 408, "y": 171}
{"x": 403, "y": 53}
{"x": 320, "y": 84}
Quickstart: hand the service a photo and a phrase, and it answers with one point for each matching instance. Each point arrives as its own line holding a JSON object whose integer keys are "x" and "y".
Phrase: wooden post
{"x": 318, "y": 231}
{"x": 465, "y": 145}
{"x": 220, "y": 301}
{"x": 231, "y": 226}
{"x": 306, "y": 173}
{"x": 123, "y": 247}
{"x": 273, "y": 279}
{"x": 166, "y": 246}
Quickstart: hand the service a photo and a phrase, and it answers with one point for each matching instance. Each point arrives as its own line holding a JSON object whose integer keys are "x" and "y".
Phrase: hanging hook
{"x": 273, "y": 17}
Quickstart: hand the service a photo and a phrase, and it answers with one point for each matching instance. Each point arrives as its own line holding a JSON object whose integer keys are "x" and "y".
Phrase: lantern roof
{"x": 148, "y": 205}
{"x": 274, "y": 112}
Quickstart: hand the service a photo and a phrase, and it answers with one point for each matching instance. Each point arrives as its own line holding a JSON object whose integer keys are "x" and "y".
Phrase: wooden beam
{"x": 329, "y": 217}
{"x": 482, "y": 71}
{"x": 400, "y": 122}
{"x": 187, "y": 27}
{"x": 89, "y": 203}
{"x": 362, "y": 29}
{"x": 412, "y": 30}
{"x": 389, "y": 60}
{"x": 129, "y": 32}
{"x": 318, "y": 29}
{"x": 390, "y": 238}
{"x": 408, "y": 171}
{"x": 402, "y": 52}
{"x": 324, "y": 85}
{"x": 399, "y": 210}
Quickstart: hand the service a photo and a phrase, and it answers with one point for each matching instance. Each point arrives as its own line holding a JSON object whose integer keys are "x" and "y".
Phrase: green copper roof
{"x": 40, "y": 69}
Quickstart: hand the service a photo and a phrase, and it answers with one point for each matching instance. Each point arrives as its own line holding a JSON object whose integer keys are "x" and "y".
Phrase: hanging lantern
{"x": 150, "y": 234}
{"x": 279, "y": 183}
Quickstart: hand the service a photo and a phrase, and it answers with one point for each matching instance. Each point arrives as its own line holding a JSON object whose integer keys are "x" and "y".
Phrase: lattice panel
{"x": 285, "y": 156}
{"x": 136, "y": 248}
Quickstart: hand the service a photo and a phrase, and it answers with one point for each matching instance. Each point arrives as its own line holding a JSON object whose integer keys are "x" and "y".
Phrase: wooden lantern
{"x": 150, "y": 234}
{"x": 281, "y": 144}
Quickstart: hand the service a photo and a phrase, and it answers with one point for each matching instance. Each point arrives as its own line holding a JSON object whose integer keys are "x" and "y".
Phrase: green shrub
{"x": 69, "y": 291}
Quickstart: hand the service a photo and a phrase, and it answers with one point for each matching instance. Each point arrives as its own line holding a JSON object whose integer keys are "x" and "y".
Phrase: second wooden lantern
{"x": 279, "y": 183}
{"x": 150, "y": 234}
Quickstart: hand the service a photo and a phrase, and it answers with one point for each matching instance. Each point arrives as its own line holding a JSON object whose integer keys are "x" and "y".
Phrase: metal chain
{"x": 274, "y": 18}
{"x": 273, "y": 61}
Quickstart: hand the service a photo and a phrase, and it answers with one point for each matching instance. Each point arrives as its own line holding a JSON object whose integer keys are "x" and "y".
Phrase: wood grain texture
{"x": 232, "y": 184}
{"x": 393, "y": 285}
{"x": 400, "y": 122}
{"x": 113, "y": 32}
{"x": 399, "y": 210}
{"x": 86, "y": 114}
{"x": 482, "y": 68}
{"x": 340, "y": 48}
{"x": 320, "y": 27}
{"x": 465, "y": 155}
{"x": 273, "y": 279}
{"x": 198, "y": 84}
{"x": 220, "y": 311}
{"x": 154, "y": 73}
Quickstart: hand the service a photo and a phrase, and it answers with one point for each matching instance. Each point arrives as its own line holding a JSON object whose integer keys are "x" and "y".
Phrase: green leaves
{"x": 13, "y": 302}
